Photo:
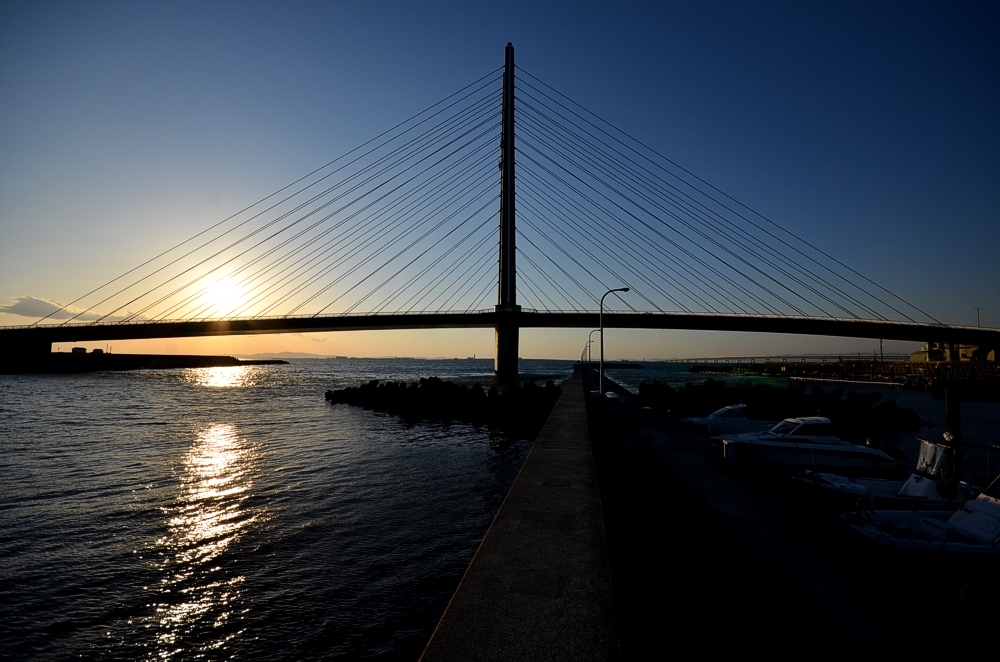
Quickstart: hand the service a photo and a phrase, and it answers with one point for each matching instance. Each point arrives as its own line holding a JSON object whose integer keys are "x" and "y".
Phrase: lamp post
{"x": 590, "y": 339}
{"x": 601, "y": 318}
{"x": 978, "y": 308}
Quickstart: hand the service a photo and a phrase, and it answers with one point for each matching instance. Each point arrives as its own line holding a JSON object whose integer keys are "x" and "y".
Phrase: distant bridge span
{"x": 42, "y": 337}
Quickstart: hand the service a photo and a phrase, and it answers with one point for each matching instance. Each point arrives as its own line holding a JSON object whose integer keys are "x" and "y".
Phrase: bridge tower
{"x": 507, "y": 332}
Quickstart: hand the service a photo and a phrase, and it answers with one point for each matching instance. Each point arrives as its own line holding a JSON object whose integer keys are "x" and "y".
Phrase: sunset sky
{"x": 870, "y": 130}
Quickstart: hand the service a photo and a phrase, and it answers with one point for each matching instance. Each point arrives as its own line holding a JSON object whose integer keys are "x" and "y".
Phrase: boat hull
{"x": 908, "y": 530}
{"x": 846, "y": 459}
{"x": 840, "y": 494}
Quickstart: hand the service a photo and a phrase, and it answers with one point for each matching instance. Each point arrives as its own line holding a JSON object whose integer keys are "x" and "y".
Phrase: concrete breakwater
{"x": 539, "y": 587}
{"x": 79, "y": 362}
{"x": 518, "y": 410}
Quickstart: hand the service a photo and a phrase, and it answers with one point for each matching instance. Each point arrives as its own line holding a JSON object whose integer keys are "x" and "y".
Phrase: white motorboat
{"x": 973, "y": 529}
{"x": 805, "y": 443}
{"x": 970, "y": 528}
{"x": 931, "y": 486}
{"x": 729, "y": 420}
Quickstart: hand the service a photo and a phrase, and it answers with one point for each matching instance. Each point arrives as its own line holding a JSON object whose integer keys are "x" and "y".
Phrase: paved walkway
{"x": 539, "y": 586}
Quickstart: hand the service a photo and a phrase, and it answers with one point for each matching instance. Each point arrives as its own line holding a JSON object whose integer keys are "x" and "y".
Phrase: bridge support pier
{"x": 507, "y": 339}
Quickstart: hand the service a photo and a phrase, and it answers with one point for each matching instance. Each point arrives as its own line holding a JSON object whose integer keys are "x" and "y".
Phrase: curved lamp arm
{"x": 601, "y": 315}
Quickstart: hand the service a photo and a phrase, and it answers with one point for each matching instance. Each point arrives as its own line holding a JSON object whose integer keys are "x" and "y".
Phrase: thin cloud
{"x": 36, "y": 307}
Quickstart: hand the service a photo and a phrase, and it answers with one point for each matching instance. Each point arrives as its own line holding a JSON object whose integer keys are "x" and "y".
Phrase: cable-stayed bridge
{"x": 402, "y": 232}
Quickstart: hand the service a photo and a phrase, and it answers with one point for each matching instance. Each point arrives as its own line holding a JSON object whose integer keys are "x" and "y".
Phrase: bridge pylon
{"x": 507, "y": 331}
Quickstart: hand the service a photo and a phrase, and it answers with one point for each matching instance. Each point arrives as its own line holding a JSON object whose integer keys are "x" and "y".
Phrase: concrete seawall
{"x": 68, "y": 363}
{"x": 539, "y": 587}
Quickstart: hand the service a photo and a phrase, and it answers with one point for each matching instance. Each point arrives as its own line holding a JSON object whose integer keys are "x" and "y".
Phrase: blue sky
{"x": 870, "y": 131}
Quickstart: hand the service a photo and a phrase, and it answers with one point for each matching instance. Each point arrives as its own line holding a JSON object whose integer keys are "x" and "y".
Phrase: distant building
{"x": 935, "y": 351}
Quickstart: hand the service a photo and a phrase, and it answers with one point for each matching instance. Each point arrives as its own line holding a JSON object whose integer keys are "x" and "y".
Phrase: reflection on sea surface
{"x": 209, "y": 516}
{"x": 225, "y": 377}
{"x": 122, "y": 539}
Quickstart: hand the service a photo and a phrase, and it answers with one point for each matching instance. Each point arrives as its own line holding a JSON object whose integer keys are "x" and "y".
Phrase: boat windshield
{"x": 784, "y": 427}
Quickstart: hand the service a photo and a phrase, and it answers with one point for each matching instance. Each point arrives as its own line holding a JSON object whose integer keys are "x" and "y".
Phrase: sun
{"x": 224, "y": 295}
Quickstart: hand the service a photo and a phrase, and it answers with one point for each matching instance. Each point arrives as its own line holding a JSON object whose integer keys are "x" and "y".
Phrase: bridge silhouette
{"x": 401, "y": 233}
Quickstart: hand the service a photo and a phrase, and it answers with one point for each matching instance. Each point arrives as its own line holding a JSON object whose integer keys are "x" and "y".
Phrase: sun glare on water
{"x": 224, "y": 376}
{"x": 211, "y": 513}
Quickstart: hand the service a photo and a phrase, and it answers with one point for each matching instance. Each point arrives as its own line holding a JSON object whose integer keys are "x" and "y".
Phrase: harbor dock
{"x": 701, "y": 557}
{"x": 729, "y": 562}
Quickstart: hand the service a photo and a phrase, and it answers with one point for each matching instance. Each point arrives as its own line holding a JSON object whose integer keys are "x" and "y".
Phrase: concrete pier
{"x": 539, "y": 587}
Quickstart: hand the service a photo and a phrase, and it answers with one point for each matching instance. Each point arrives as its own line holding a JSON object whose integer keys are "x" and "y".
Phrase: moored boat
{"x": 973, "y": 529}
{"x": 806, "y": 443}
{"x": 731, "y": 419}
{"x": 970, "y": 528}
{"x": 932, "y": 486}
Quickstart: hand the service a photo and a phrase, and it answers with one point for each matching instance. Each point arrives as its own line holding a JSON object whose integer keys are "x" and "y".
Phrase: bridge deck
{"x": 819, "y": 326}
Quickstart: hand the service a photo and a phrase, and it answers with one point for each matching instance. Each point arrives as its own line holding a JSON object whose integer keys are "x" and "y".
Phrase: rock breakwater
{"x": 518, "y": 411}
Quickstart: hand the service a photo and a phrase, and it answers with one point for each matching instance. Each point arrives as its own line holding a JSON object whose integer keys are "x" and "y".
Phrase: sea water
{"x": 232, "y": 513}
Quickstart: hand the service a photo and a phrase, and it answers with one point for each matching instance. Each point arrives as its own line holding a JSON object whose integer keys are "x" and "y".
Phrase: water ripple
{"x": 210, "y": 515}
{"x": 232, "y": 513}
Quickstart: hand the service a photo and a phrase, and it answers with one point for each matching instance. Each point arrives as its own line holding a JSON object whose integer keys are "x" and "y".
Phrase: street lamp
{"x": 601, "y": 318}
{"x": 590, "y": 339}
